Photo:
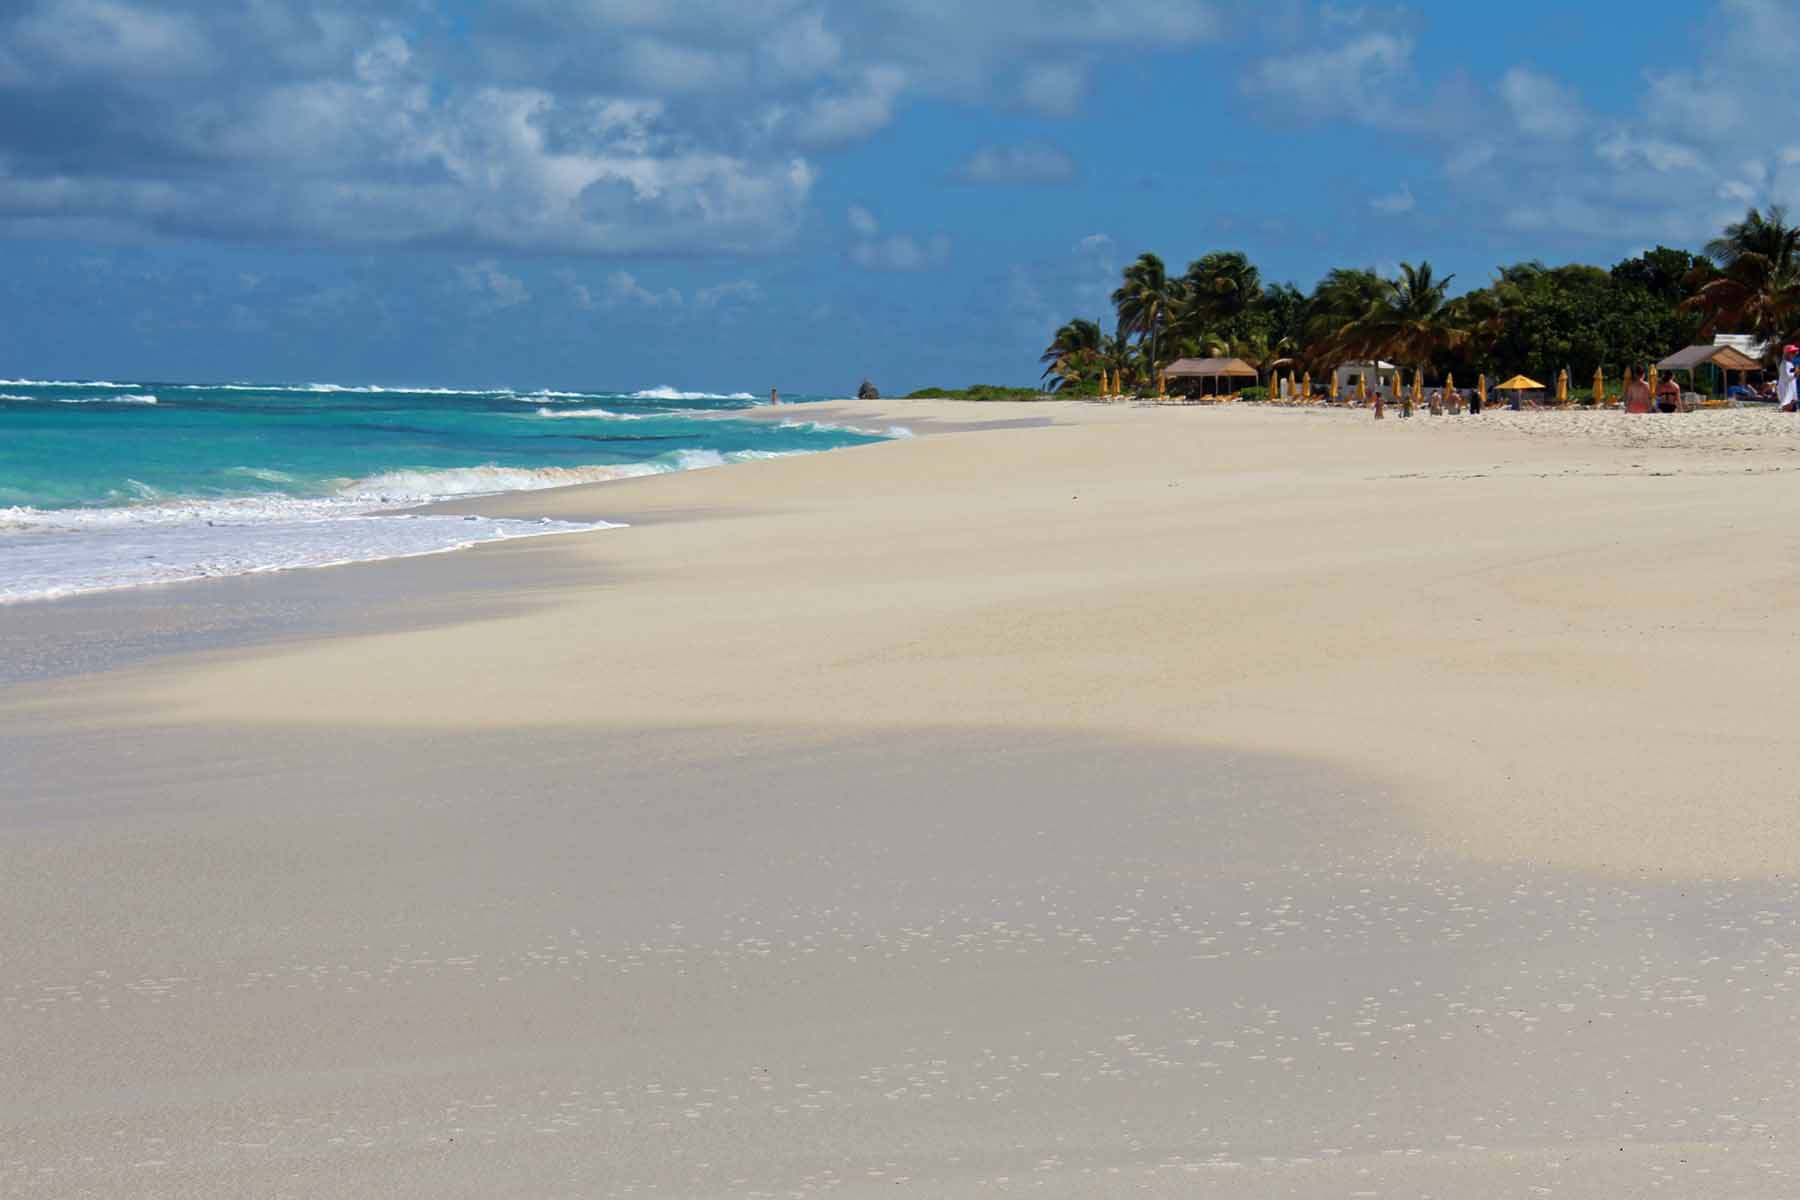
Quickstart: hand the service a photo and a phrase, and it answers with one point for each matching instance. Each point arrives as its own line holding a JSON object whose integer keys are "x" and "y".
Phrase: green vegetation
{"x": 981, "y": 391}
{"x": 1529, "y": 317}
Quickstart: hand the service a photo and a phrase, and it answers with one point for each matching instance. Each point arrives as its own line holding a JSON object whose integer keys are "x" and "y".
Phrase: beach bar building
{"x": 1723, "y": 358}
{"x": 1209, "y": 376}
{"x": 1374, "y": 374}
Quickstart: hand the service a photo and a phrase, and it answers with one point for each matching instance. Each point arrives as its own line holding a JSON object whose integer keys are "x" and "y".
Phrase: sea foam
{"x": 669, "y": 393}
{"x": 169, "y": 541}
{"x": 65, "y": 383}
{"x": 43, "y": 563}
{"x": 421, "y": 487}
{"x": 560, "y": 414}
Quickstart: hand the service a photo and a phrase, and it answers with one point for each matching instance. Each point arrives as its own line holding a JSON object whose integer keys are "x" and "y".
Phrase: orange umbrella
{"x": 1599, "y": 387}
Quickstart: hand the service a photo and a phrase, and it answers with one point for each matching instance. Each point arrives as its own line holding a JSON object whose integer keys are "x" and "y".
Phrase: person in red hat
{"x": 1785, "y": 389}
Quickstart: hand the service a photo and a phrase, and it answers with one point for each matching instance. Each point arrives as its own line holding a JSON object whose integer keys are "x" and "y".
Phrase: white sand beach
{"x": 1069, "y": 800}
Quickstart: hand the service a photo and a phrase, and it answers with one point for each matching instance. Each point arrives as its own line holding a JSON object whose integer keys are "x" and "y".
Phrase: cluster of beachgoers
{"x": 1380, "y": 385}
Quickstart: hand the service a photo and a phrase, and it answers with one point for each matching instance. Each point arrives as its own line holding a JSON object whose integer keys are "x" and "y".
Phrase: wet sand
{"x": 1146, "y": 802}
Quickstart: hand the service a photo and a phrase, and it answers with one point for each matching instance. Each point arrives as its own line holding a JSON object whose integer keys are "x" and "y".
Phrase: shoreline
{"x": 128, "y": 511}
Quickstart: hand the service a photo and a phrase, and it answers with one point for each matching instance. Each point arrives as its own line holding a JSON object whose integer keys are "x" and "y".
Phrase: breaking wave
{"x": 669, "y": 393}
{"x": 129, "y": 398}
{"x": 892, "y": 431}
{"x": 65, "y": 383}
{"x": 422, "y": 487}
{"x": 559, "y": 414}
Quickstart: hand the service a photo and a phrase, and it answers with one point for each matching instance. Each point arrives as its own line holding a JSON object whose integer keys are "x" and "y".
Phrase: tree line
{"x": 1530, "y": 318}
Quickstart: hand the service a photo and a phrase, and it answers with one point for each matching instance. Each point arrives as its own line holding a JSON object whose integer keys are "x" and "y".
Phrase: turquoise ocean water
{"x": 121, "y": 484}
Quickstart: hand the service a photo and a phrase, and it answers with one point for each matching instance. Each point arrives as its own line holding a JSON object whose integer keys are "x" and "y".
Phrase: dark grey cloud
{"x": 602, "y": 126}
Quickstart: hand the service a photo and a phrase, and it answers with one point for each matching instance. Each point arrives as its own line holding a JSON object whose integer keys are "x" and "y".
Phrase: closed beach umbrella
{"x": 1162, "y": 384}
{"x": 1653, "y": 387}
{"x": 1451, "y": 403}
{"x": 1599, "y": 388}
{"x": 1481, "y": 388}
{"x": 1418, "y": 385}
{"x": 1562, "y": 386}
{"x": 1362, "y": 389}
{"x": 1306, "y": 386}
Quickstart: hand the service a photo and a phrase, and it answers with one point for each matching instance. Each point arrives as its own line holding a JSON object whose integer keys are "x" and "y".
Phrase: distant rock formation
{"x": 867, "y": 391}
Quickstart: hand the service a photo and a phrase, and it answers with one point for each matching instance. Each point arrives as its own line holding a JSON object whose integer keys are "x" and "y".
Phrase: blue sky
{"x": 738, "y": 194}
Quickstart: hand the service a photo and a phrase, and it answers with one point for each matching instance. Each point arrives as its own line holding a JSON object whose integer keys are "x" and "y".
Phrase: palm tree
{"x": 1218, "y": 291}
{"x": 1757, "y": 287}
{"x": 1750, "y": 296}
{"x": 1073, "y": 355}
{"x": 1145, "y": 301}
{"x": 1769, "y": 236}
{"x": 1341, "y": 301}
{"x": 1416, "y": 320}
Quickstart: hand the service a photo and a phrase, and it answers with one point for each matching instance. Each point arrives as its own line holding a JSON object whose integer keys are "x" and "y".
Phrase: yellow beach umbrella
{"x": 1520, "y": 383}
{"x": 1418, "y": 385}
{"x": 1599, "y": 387}
{"x": 1306, "y": 387}
{"x": 1450, "y": 401}
{"x": 1481, "y": 388}
{"x": 1362, "y": 389}
{"x": 1653, "y": 383}
{"x": 1332, "y": 392}
{"x": 1162, "y": 385}
{"x": 1562, "y": 386}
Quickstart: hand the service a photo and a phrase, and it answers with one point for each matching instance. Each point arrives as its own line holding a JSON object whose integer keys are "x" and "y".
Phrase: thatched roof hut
{"x": 1220, "y": 370}
{"x": 1210, "y": 368}
{"x": 1726, "y": 358}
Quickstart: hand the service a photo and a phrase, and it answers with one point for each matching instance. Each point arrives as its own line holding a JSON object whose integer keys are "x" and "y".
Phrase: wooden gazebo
{"x": 1726, "y": 358}
{"x": 1221, "y": 371}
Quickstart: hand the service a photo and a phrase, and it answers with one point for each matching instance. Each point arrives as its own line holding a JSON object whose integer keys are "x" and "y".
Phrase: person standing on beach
{"x": 774, "y": 398}
{"x": 1786, "y": 389}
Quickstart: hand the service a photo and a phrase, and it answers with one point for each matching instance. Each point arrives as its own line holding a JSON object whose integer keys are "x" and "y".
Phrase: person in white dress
{"x": 1785, "y": 388}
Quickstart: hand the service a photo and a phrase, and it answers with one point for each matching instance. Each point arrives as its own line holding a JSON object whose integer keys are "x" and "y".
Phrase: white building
{"x": 1744, "y": 343}
{"x": 1378, "y": 375}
